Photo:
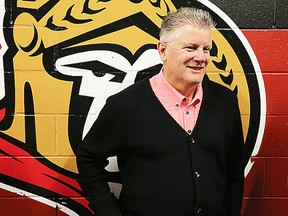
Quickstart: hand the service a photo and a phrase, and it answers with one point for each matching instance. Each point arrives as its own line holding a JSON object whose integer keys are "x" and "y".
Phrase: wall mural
{"x": 61, "y": 59}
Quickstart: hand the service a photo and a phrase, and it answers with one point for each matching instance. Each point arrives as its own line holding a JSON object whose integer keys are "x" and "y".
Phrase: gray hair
{"x": 185, "y": 15}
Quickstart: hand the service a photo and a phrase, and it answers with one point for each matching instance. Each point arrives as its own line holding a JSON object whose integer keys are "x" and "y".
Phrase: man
{"x": 177, "y": 136}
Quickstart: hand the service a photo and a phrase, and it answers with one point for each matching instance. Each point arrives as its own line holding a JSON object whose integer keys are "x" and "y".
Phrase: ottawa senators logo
{"x": 61, "y": 59}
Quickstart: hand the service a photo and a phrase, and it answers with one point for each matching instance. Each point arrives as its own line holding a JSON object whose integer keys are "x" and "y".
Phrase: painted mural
{"x": 61, "y": 59}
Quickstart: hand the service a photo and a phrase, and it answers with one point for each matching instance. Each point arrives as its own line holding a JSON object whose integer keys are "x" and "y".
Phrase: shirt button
{"x": 192, "y": 140}
{"x": 199, "y": 210}
{"x": 197, "y": 174}
{"x": 189, "y": 131}
{"x": 187, "y": 112}
{"x": 177, "y": 105}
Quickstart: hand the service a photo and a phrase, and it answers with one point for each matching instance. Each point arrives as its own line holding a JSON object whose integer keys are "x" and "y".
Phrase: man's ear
{"x": 161, "y": 46}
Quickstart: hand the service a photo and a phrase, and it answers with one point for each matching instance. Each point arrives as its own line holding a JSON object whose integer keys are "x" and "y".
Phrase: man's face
{"x": 185, "y": 59}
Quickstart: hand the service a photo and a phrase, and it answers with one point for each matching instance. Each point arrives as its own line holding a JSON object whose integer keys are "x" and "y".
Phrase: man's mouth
{"x": 196, "y": 68}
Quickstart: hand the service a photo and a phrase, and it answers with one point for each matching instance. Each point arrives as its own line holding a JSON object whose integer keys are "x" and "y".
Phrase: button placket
{"x": 198, "y": 210}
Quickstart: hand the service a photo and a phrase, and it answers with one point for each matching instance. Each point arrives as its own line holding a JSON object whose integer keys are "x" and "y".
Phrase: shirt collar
{"x": 175, "y": 97}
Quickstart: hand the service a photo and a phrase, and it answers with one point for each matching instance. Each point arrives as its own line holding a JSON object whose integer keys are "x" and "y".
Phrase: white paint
{"x": 38, "y": 199}
{"x": 100, "y": 88}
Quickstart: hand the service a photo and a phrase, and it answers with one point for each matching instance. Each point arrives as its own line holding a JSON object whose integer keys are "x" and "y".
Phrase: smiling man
{"x": 177, "y": 136}
{"x": 185, "y": 58}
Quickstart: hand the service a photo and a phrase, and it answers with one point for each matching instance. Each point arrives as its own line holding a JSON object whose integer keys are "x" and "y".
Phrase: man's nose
{"x": 200, "y": 55}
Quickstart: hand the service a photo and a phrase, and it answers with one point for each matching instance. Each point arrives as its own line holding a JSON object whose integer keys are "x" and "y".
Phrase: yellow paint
{"x": 233, "y": 63}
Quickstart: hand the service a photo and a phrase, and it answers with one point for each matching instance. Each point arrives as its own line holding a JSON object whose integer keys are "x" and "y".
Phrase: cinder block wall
{"x": 265, "y": 25}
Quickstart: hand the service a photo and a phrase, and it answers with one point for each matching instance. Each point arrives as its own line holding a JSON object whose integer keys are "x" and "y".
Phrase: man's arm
{"x": 100, "y": 143}
{"x": 235, "y": 164}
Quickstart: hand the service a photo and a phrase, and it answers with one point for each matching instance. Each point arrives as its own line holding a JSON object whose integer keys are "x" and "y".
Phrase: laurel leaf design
{"x": 52, "y": 26}
{"x": 222, "y": 64}
{"x": 214, "y": 49}
{"x": 227, "y": 79}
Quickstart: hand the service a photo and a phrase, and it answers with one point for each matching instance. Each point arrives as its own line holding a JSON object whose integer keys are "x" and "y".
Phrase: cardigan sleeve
{"x": 101, "y": 142}
{"x": 235, "y": 167}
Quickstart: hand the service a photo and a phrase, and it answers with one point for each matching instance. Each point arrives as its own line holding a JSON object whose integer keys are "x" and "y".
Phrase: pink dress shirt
{"x": 184, "y": 111}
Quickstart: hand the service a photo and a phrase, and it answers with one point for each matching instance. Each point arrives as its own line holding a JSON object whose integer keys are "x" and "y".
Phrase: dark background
{"x": 256, "y": 14}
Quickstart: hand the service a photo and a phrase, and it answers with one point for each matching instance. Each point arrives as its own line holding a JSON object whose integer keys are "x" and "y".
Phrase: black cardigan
{"x": 164, "y": 170}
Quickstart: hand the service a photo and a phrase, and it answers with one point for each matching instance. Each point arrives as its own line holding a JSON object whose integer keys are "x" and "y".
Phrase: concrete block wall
{"x": 265, "y": 25}
{"x": 42, "y": 113}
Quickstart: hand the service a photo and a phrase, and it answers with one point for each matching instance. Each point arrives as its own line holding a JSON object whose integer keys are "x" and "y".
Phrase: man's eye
{"x": 190, "y": 48}
{"x": 206, "y": 50}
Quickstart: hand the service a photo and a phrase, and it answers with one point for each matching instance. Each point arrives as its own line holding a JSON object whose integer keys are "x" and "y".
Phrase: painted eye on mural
{"x": 103, "y": 73}
{"x": 88, "y": 63}
{"x": 99, "y": 69}
{"x": 105, "y": 65}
